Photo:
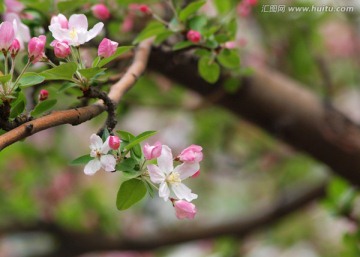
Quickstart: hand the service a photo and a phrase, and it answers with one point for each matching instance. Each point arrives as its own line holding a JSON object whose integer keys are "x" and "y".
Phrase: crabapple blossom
{"x": 184, "y": 209}
{"x": 43, "y": 95}
{"x": 60, "y": 19}
{"x": 22, "y": 32}
{"x": 230, "y": 45}
{"x": 144, "y": 9}
{"x": 152, "y": 151}
{"x": 243, "y": 9}
{"x": 101, "y": 12}
{"x": 13, "y": 6}
{"x": 107, "y": 48}
{"x": 171, "y": 178}
{"x": 7, "y": 35}
{"x": 77, "y": 32}
{"x": 251, "y": 2}
{"x": 61, "y": 49}
{"x": 193, "y": 36}
{"x": 36, "y": 48}
{"x": 14, "y": 48}
{"x": 99, "y": 150}
{"x": 114, "y": 142}
{"x": 191, "y": 154}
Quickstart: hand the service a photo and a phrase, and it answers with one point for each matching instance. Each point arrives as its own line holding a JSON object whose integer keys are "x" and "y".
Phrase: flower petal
{"x": 165, "y": 160}
{"x": 182, "y": 192}
{"x": 108, "y": 162}
{"x": 105, "y": 148}
{"x": 164, "y": 191}
{"x": 95, "y": 142}
{"x": 94, "y": 31}
{"x": 79, "y": 22}
{"x": 156, "y": 175}
{"x": 92, "y": 167}
{"x": 59, "y": 33}
{"x": 187, "y": 169}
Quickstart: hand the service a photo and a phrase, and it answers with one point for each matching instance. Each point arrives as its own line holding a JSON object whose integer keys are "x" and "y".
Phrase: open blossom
{"x": 36, "y": 48}
{"x": 22, "y": 32}
{"x": 77, "y": 33}
{"x": 61, "y": 49}
{"x": 170, "y": 178}
{"x": 7, "y": 35}
{"x": 101, "y": 12}
{"x": 191, "y": 154}
{"x": 152, "y": 151}
{"x": 184, "y": 209}
{"x": 107, "y": 48}
{"x": 101, "y": 159}
{"x": 60, "y": 19}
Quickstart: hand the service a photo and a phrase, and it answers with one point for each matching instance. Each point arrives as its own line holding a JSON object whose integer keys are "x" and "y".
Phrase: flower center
{"x": 173, "y": 178}
{"x": 73, "y": 33}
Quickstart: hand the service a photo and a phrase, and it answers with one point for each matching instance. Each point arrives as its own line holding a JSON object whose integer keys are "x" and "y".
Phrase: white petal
{"x": 94, "y": 31}
{"x": 95, "y": 142}
{"x": 183, "y": 192}
{"x": 78, "y": 21}
{"x": 105, "y": 148}
{"x": 187, "y": 169}
{"x": 92, "y": 167}
{"x": 164, "y": 191}
{"x": 156, "y": 175}
{"x": 59, "y": 33}
{"x": 165, "y": 160}
{"x": 108, "y": 162}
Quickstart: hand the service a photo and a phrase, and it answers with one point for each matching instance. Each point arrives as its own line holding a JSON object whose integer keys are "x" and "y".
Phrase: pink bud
{"x": 230, "y": 45}
{"x": 13, "y": 6}
{"x": 14, "y": 48}
{"x": 196, "y": 174}
{"x": 60, "y": 19}
{"x": 144, "y": 9}
{"x": 43, "y": 95}
{"x": 7, "y": 35}
{"x": 107, "y": 48}
{"x": 243, "y": 9}
{"x": 36, "y": 48}
{"x": 61, "y": 48}
{"x": 152, "y": 151}
{"x": 191, "y": 154}
{"x": 251, "y": 2}
{"x": 194, "y": 36}
{"x": 101, "y": 12}
{"x": 184, "y": 209}
{"x": 114, "y": 142}
{"x": 128, "y": 23}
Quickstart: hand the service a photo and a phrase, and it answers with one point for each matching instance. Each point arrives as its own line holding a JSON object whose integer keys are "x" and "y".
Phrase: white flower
{"x": 99, "y": 151}
{"x": 22, "y": 32}
{"x": 77, "y": 33}
{"x": 170, "y": 178}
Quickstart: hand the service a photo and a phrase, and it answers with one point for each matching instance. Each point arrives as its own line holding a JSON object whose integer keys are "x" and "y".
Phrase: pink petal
{"x": 156, "y": 175}
{"x": 78, "y": 21}
{"x": 92, "y": 167}
{"x": 165, "y": 160}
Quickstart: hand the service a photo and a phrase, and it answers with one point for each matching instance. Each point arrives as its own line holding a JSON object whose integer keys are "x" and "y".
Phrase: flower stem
{"x": 6, "y": 63}
{"x": 22, "y": 73}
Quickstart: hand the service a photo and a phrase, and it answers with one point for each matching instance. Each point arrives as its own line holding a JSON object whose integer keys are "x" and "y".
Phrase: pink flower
{"x": 101, "y": 12}
{"x": 36, "y": 48}
{"x": 61, "y": 49}
{"x": 184, "y": 209}
{"x": 144, "y": 9}
{"x": 251, "y": 2}
{"x": 14, "y": 48}
{"x": 22, "y": 32}
{"x": 107, "y": 48}
{"x": 7, "y": 37}
{"x": 243, "y": 9}
{"x": 60, "y": 19}
{"x": 43, "y": 95}
{"x": 152, "y": 152}
{"x": 191, "y": 154}
{"x": 230, "y": 45}
{"x": 114, "y": 142}
{"x": 128, "y": 23}
{"x": 196, "y": 174}
{"x": 14, "y": 6}
{"x": 193, "y": 36}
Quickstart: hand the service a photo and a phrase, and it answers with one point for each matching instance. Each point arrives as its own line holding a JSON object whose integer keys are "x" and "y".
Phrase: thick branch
{"x": 282, "y": 107}
{"x": 80, "y": 115}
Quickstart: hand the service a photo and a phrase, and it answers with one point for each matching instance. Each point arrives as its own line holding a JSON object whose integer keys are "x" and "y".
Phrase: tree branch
{"x": 80, "y": 115}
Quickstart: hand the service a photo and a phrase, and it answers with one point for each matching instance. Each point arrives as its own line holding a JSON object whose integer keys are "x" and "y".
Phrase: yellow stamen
{"x": 173, "y": 178}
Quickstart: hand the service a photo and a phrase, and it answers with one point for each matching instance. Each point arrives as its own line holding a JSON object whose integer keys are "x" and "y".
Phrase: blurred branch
{"x": 73, "y": 243}
{"x": 281, "y": 106}
{"x": 79, "y": 115}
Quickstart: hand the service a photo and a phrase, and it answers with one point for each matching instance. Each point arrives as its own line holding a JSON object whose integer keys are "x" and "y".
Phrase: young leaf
{"x": 119, "y": 51}
{"x": 5, "y": 78}
{"x": 190, "y": 9}
{"x": 208, "y": 69}
{"x": 43, "y": 107}
{"x": 89, "y": 73}
{"x": 138, "y": 139}
{"x": 62, "y": 72}
{"x": 182, "y": 45}
{"x": 66, "y": 86}
{"x": 30, "y": 79}
{"x": 125, "y": 136}
{"x": 81, "y": 160}
{"x": 153, "y": 29}
{"x": 130, "y": 192}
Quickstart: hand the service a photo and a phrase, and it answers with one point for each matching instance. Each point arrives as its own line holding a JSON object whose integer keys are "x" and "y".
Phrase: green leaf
{"x": 66, "y": 86}
{"x": 130, "y": 192}
{"x": 105, "y": 134}
{"x": 136, "y": 151}
{"x": 43, "y": 106}
{"x": 5, "y": 78}
{"x": 30, "y": 79}
{"x": 81, "y": 160}
{"x": 18, "y": 106}
{"x": 143, "y": 136}
{"x": 190, "y": 9}
{"x": 89, "y": 73}
{"x": 223, "y": 6}
{"x": 62, "y": 72}
{"x": 119, "y": 51}
{"x": 162, "y": 37}
{"x": 231, "y": 85}
{"x": 125, "y": 136}
{"x": 208, "y": 69}
{"x": 229, "y": 58}
{"x": 198, "y": 23}
{"x": 127, "y": 165}
{"x": 70, "y": 6}
{"x": 182, "y": 45}
{"x": 153, "y": 29}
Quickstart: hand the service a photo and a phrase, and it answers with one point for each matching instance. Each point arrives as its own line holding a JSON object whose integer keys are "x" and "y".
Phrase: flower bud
{"x": 230, "y": 45}
{"x": 36, "y": 48}
{"x": 196, "y": 174}
{"x": 61, "y": 48}
{"x": 114, "y": 142}
{"x": 184, "y": 209}
{"x": 251, "y": 2}
{"x": 7, "y": 37}
{"x": 144, "y": 9}
{"x": 43, "y": 95}
{"x": 60, "y": 19}
{"x": 13, "y": 6}
{"x": 193, "y": 36}
{"x": 243, "y": 9}
{"x": 101, "y": 12}
{"x": 152, "y": 151}
{"x": 14, "y": 48}
{"x": 107, "y": 48}
{"x": 191, "y": 154}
